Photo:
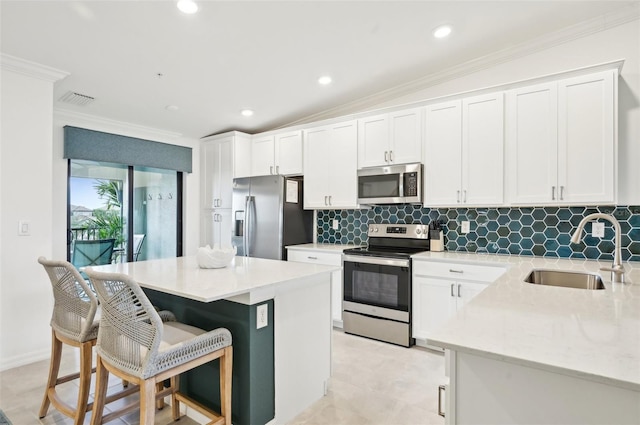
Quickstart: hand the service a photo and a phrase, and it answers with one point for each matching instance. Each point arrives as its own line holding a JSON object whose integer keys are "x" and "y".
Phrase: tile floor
{"x": 372, "y": 383}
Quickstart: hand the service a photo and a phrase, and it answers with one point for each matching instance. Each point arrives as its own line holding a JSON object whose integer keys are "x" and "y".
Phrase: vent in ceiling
{"x": 76, "y": 98}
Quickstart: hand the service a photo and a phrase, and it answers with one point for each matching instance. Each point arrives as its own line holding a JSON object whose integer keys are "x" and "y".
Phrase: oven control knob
{"x": 375, "y": 230}
{"x": 418, "y": 231}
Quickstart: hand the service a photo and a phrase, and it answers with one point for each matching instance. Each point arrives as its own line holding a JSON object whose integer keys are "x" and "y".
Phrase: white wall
{"x": 33, "y": 187}
{"x": 621, "y": 42}
{"x": 25, "y": 194}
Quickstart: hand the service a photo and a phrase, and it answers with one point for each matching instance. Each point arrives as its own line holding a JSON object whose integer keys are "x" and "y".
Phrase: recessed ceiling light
{"x": 442, "y": 31}
{"x": 246, "y": 112}
{"x": 324, "y": 80}
{"x": 171, "y": 108}
{"x": 187, "y": 6}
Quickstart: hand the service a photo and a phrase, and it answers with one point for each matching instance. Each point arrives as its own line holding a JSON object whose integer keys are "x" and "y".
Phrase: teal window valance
{"x": 80, "y": 143}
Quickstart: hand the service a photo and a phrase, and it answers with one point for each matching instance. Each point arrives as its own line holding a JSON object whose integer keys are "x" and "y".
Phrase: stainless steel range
{"x": 377, "y": 282}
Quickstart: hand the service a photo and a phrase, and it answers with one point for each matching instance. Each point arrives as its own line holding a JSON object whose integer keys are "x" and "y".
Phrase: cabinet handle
{"x": 271, "y": 169}
{"x": 553, "y": 193}
{"x": 455, "y": 271}
{"x": 277, "y": 169}
{"x": 457, "y": 196}
{"x": 329, "y": 200}
{"x": 452, "y": 290}
{"x": 386, "y": 156}
{"x": 312, "y": 258}
{"x": 390, "y": 156}
{"x": 562, "y": 193}
{"x": 441, "y": 389}
{"x": 459, "y": 291}
{"x": 464, "y": 196}
{"x": 325, "y": 200}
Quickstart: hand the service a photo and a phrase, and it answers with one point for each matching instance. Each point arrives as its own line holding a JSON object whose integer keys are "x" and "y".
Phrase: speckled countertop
{"x": 592, "y": 334}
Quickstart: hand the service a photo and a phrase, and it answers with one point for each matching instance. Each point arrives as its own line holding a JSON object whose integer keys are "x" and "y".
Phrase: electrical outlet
{"x": 597, "y": 229}
{"x": 465, "y": 227}
{"x": 335, "y": 224}
{"x": 262, "y": 316}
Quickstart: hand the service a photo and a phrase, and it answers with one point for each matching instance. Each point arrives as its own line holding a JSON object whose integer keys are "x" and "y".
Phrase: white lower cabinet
{"x": 332, "y": 258}
{"x": 217, "y": 227}
{"x": 441, "y": 289}
{"x": 485, "y": 390}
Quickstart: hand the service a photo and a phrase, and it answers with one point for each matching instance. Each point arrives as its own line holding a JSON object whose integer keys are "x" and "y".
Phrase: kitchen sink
{"x": 565, "y": 278}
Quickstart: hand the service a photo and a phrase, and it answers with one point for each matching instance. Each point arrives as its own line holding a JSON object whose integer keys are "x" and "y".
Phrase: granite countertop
{"x": 181, "y": 276}
{"x": 592, "y": 334}
{"x": 322, "y": 247}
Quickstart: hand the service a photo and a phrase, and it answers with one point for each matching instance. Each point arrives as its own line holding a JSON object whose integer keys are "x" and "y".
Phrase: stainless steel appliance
{"x": 377, "y": 282}
{"x": 268, "y": 215}
{"x": 393, "y": 184}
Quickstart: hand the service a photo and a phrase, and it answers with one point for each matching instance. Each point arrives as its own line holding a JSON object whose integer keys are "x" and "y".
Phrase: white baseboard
{"x": 24, "y": 359}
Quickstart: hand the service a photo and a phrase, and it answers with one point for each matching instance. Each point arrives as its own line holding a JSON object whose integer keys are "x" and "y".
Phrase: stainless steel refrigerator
{"x": 268, "y": 215}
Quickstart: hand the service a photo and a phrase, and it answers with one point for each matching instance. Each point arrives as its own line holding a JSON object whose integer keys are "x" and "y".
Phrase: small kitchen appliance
{"x": 393, "y": 184}
{"x": 377, "y": 282}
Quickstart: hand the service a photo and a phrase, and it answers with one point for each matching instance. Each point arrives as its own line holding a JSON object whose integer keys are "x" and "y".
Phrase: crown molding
{"x": 65, "y": 116}
{"x": 592, "y": 26}
{"x": 31, "y": 69}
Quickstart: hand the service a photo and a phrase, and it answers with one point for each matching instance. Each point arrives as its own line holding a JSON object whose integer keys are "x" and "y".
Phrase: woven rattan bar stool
{"x": 134, "y": 344}
{"x": 74, "y": 322}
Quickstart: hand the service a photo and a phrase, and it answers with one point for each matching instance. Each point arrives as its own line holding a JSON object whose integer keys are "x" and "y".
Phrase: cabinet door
{"x": 443, "y": 154}
{"x": 217, "y": 228}
{"x": 208, "y": 157}
{"x": 465, "y": 291}
{"x": 586, "y": 138}
{"x": 373, "y": 141}
{"x": 316, "y": 145}
{"x": 483, "y": 149}
{"x": 341, "y": 159}
{"x": 532, "y": 144}
{"x": 225, "y": 173}
{"x": 288, "y": 153}
{"x": 241, "y": 156}
{"x": 262, "y": 151}
{"x": 433, "y": 304}
{"x": 406, "y": 136}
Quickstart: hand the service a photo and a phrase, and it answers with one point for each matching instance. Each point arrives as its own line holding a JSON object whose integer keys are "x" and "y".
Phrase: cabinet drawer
{"x": 304, "y": 256}
{"x": 458, "y": 271}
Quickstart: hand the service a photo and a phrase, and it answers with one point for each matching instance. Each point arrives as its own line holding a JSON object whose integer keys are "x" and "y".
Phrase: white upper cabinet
{"x": 561, "y": 142}
{"x": 586, "y": 139}
{"x": 464, "y": 142}
{"x": 390, "y": 138}
{"x": 217, "y": 173}
{"x": 279, "y": 154}
{"x": 330, "y": 166}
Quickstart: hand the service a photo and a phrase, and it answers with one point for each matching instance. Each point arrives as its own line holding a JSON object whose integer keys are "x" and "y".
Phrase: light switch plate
{"x": 24, "y": 228}
{"x": 597, "y": 229}
{"x": 465, "y": 227}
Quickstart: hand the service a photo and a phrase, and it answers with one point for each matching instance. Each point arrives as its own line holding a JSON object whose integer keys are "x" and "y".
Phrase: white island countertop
{"x": 591, "y": 334}
{"x": 181, "y": 276}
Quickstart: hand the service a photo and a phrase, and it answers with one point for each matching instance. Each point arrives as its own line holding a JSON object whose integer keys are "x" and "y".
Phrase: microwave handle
{"x": 401, "y": 184}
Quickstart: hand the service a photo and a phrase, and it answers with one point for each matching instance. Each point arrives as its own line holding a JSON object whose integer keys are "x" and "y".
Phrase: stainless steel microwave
{"x": 393, "y": 184}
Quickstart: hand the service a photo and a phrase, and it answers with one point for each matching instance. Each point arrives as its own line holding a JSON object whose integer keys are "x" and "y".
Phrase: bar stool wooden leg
{"x": 160, "y": 401}
{"x": 175, "y": 403}
{"x": 226, "y": 367}
{"x": 102, "y": 379}
{"x": 54, "y": 368}
{"x": 147, "y": 402}
{"x": 86, "y": 350}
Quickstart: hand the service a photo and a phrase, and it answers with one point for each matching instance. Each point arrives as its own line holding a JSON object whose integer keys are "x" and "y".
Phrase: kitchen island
{"x": 526, "y": 353}
{"x": 279, "y": 368}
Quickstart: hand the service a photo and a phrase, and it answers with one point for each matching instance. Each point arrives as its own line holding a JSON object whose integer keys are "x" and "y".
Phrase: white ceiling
{"x": 262, "y": 55}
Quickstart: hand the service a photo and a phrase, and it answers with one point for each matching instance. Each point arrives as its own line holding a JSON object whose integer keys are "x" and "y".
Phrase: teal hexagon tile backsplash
{"x": 540, "y": 231}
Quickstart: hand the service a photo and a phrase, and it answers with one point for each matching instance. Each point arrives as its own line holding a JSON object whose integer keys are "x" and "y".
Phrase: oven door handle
{"x": 376, "y": 260}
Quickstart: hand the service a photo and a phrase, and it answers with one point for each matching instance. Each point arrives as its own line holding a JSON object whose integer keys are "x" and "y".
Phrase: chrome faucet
{"x": 617, "y": 268}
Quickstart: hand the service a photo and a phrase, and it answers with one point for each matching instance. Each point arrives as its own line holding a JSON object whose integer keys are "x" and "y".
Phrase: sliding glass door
{"x": 130, "y": 213}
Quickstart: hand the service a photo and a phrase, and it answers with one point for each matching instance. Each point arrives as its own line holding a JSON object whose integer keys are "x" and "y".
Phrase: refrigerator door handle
{"x": 250, "y": 223}
{"x": 245, "y": 227}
